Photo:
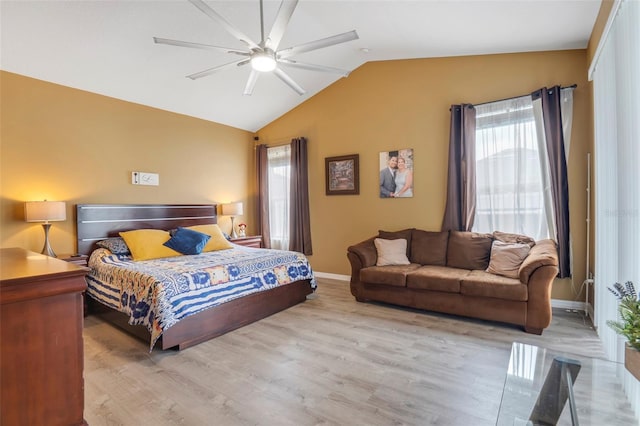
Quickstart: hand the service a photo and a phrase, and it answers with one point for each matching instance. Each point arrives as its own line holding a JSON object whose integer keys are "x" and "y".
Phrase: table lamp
{"x": 232, "y": 209}
{"x": 45, "y": 211}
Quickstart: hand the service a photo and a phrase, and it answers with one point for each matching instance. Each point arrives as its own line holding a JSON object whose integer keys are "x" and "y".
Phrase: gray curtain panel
{"x": 263, "y": 194}
{"x": 460, "y": 209}
{"x": 300, "y": 222}
{"x": 558, "y": 167}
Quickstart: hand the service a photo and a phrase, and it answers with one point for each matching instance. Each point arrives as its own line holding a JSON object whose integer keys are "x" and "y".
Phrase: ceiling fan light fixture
{"x": 263, "y": 62}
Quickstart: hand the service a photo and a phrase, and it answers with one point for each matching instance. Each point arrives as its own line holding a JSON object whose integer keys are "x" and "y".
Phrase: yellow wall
{"x": 598, "y": 28}
{"x": 405, "y": 104}
{"x": 64, "y": 144}
{"x": 69, "y": 145}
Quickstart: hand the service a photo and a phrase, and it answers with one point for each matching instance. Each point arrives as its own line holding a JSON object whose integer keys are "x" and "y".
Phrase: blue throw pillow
{"x": 187, "y": 241}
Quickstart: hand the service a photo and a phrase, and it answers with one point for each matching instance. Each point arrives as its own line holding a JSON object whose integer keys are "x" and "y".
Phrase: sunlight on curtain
{"x": 279, "y": 164}
{"x": 616, "y": 81}
{"x": 509, "y": 182}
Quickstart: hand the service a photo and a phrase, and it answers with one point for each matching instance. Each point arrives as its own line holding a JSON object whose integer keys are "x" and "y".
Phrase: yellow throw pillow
{"x": 217, "y": 240}
{"x": 146, "y": 244}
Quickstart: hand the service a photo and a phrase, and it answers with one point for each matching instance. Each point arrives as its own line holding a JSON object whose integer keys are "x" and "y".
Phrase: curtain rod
{"x": 280, "y": 142}
{"x": 573, "y": 86}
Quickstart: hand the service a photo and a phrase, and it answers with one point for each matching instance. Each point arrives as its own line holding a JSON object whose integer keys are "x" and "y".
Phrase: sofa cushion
{"x": 395, "y": 275}
{"x": 437, "y": 278}
{"x": 484, "y": 284}
{"x": 468, "y": 250}
{"x": 506, "y": 258}
{"x": 506, "y": 237}
{"x": 391, "y": 252}
{"x": 429, "y": 248}
{"x": 394, "y": 235}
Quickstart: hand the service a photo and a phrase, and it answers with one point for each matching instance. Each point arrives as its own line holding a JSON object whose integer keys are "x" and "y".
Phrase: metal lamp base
{"x": 233, "y": 228}
{"x": 47, "y": 250}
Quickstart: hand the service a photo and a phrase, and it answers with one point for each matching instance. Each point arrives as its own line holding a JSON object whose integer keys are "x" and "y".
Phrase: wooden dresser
{"x": 41, "y": 348}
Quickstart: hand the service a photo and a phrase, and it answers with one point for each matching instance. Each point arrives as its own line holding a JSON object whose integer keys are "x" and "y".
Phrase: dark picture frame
{"x": 342, "y": 175}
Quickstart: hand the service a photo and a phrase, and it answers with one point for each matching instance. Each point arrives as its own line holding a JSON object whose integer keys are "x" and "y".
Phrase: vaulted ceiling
{"x": 107, "y": 47}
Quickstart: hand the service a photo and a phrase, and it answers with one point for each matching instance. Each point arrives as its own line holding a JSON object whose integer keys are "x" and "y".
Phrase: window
{"x": 510, "y": 178}
{"x": 279, "y": 164}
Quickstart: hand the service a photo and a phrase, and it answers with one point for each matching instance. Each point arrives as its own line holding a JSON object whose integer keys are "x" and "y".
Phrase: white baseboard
{"x": 567, "y": 304}
{"x": 332, "y": 276}
{"x": 555, "y": 303}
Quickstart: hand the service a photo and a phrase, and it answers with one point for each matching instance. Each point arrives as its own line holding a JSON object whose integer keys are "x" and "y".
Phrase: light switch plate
{"x": 144, "y": 178}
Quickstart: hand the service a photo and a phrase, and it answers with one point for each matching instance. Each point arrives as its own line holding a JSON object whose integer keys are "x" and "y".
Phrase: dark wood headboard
{"x": 96, "y": 222}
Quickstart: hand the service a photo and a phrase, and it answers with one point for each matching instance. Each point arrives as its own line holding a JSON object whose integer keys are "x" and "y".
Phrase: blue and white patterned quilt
{"x": 160, "y": 292}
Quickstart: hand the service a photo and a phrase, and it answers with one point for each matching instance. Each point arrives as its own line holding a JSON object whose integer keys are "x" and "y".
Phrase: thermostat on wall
{"x": 143, "y": 178}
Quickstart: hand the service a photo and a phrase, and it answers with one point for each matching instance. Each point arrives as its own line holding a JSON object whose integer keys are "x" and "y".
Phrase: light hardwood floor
{"x": 328, "y": 361}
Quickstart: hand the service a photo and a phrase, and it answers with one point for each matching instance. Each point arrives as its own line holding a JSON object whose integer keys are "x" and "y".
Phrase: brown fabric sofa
{"x": 447, "y": 273}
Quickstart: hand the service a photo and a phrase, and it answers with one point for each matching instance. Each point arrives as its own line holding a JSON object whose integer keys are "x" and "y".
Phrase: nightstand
{"x": 78, "y": 259}
{"x": 251, "y": 241}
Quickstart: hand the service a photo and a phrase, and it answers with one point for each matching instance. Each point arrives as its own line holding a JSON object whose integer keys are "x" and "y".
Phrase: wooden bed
{"x": 99, "y": 221}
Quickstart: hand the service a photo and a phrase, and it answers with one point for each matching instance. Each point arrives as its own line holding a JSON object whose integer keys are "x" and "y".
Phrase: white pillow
{"x": 506, "y": 258}
{"x": 391, "y": 252}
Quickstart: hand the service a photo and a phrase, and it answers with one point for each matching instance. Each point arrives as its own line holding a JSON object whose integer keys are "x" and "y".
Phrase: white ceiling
{"x": 106, "y": 47}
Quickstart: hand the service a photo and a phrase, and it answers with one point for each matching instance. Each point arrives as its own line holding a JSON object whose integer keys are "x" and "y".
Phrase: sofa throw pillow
{"x": 469, "y": 250}
{"x": 429, "y": 248}
{"x": 506, "y": 237}
{"x": 391, "y": 252}
{"x": 187, "y": 241}
{"x": 394, "y": 235}
{"x": 115, "y": 245}
{"x": 506, "y": 258}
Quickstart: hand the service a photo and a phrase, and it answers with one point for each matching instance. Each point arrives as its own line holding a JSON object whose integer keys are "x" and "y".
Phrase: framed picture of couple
{"x": 396, "y": 173}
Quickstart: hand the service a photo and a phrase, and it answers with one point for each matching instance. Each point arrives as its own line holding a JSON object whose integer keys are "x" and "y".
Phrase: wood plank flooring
{"x": 328, "y": 361}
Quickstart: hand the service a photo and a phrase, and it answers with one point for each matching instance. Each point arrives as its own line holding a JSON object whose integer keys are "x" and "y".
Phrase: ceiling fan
{"x": 264, "y": 56}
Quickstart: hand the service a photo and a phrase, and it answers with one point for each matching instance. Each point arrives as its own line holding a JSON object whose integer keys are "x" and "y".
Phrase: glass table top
{"x": 537, "y": 392}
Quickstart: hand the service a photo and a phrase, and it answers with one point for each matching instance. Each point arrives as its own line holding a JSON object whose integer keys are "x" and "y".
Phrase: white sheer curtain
{"x": 279, "y": 164}
{"x": 616, "y": 82}
{"x": 509, "y": 180}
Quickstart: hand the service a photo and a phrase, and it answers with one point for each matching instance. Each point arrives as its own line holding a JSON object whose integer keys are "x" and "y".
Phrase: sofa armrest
{"x": 365, "y": 252}
{"x": 360, "y": 256}
{"x": 538, "y": 271}
{"x": 544, "y": 253}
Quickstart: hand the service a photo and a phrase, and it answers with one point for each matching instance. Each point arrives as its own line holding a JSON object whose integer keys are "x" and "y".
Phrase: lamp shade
{"x": 232, "y": 209}
{"x": 45, "y": 211}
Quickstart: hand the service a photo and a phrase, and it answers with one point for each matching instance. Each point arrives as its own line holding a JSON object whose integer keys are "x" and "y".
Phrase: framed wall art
{"x": 396, "y": 173}
{"x": 342, "y": 175}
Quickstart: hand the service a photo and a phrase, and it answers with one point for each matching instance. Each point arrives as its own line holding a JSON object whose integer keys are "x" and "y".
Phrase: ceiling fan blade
{"x": 313, "y": 67}
{"x": 231, "y": 29}
{"x": 318, "y": 44}
{"x": 280, "y": 24}
{"x": 215, "y": 69}
{"x": 251, "y": 82}
{"x": 289, "y": 81}
{"x": 179, "y": 43}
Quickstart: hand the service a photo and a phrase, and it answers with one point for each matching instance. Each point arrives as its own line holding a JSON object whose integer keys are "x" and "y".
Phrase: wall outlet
{"x": 143, "y": 178}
